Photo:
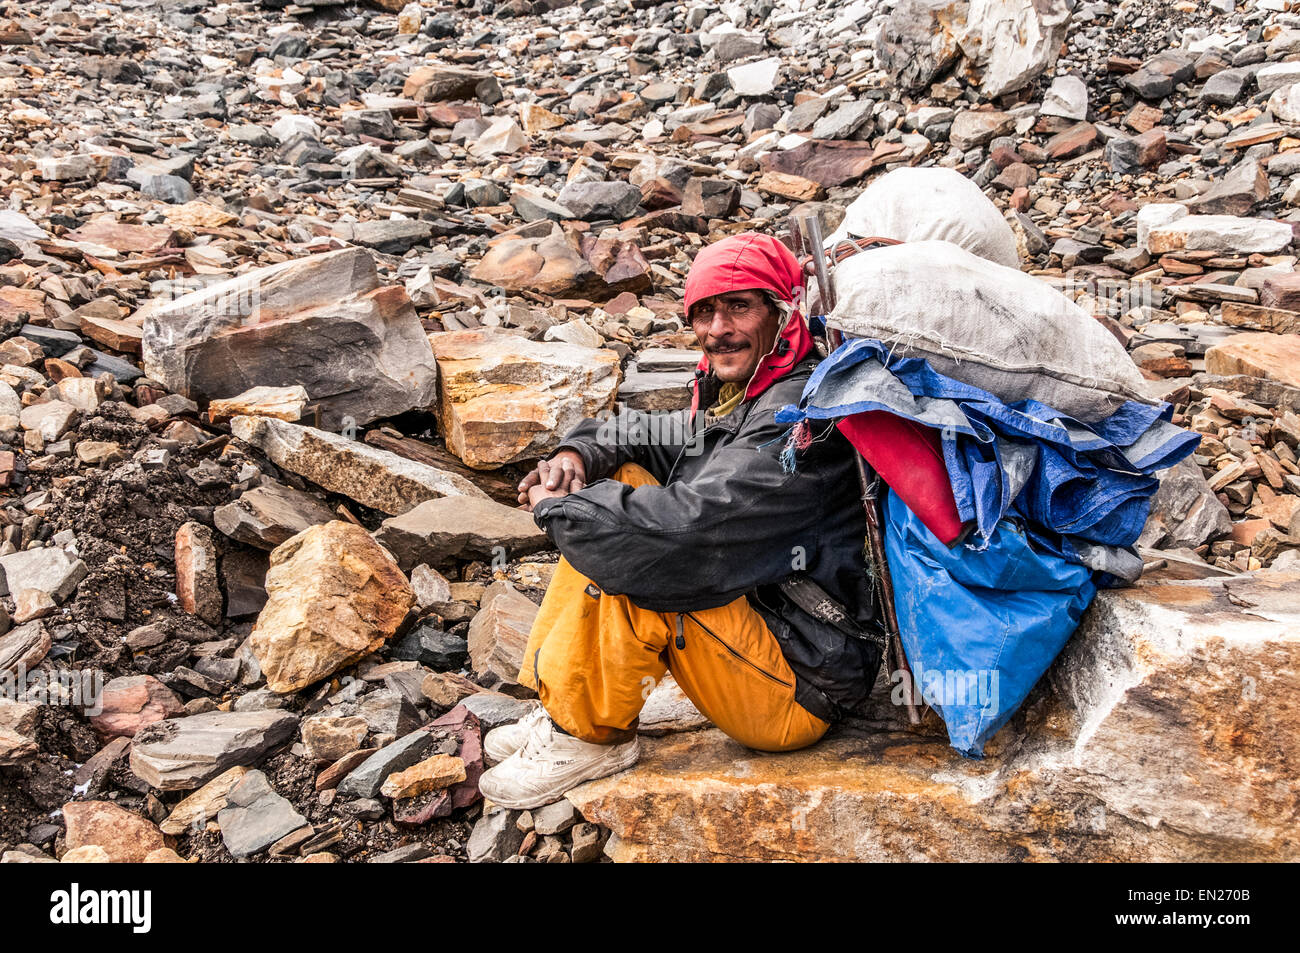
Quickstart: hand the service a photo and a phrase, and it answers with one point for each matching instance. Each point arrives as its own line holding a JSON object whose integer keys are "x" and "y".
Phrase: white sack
{"x": 918, "y": 205}
{"x": 986, "y": 325}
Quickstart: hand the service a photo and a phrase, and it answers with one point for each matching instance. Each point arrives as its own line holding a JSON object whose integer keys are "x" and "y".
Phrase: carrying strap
{"x": 804, "y": 592}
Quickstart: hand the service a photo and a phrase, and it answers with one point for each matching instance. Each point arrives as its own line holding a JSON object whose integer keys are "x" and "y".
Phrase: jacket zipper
{"x": 681, "y": 644}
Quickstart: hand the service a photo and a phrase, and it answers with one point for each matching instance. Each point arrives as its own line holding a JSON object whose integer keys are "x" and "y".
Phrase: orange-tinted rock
{"x": 334, "y": 596}
{"x": 128, "y": 838}
{"x": 1274, "y": 357}
{"x": 793, "y": 187}
{"x": 197, "y": 586}
{"x": 16, "y": 302}
{"x": 503, "y": 398}
{"x": 118, "y": 335}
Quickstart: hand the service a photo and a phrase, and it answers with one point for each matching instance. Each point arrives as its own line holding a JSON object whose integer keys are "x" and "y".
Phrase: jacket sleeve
{"x": 740, "y": 522}
{"x": 652, "y": 440}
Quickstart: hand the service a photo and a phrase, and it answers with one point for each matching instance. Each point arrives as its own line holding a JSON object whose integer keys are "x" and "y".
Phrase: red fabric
{"x": 909, "y": 458}
{"x": 745, "y": 262}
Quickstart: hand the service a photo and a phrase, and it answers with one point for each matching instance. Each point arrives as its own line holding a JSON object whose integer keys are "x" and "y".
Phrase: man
{"x": 675, "y": 551}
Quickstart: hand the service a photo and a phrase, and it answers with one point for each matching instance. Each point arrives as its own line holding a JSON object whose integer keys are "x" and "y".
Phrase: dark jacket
{"x": 728, "y": 521}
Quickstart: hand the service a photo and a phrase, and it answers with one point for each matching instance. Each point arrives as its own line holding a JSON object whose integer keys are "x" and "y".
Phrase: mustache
{"x": 725, "y": 342}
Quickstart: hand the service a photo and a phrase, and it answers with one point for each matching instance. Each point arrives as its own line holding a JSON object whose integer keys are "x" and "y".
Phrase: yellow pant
{"x": 598, "y": 657}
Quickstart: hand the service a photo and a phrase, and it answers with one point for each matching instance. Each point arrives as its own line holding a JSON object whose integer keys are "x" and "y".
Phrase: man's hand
{"x": 561, "y": 475}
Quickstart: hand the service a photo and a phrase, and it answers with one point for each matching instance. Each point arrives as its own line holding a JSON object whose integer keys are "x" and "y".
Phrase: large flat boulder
{"x": 503, "y": 398}
{"x": 1166, "y": 731}
{"x": 322, "y": 323}
{"x": 441, "y": 530}
{"x": 180, "y": 754}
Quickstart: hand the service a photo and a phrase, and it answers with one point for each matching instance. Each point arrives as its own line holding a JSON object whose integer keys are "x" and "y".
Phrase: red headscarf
{"x": 749, "y": 262}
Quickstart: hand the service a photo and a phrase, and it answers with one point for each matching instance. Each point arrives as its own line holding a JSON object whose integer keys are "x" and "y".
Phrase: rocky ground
{"x": 291, "y": 295}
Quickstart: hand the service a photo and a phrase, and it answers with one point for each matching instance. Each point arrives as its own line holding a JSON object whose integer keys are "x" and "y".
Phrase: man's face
{"x": 735, "y": 330}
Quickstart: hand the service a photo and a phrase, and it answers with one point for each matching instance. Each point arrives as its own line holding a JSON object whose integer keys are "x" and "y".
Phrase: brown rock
{"x": 202, "y": 806}
{"x": 334, "y": 596}
{"x": 1077, "y": 139}
{"x": 117, "y": 335}
{"x": 329, "y": 738}
{"x": 978, "y": 127}
{"x": 131, "y": 702}
{"x": 267, "y": 515}
{"x": 428, "y": 84}
{"x": 197, "y": 585}
{"x": 329, "y": 779}
{"x": 1141, "y": 118}
{"x": 20, "y": 351}
{"x": 441, "y": 530}
{"x": 17, "y": 302}
{"x": 143, "y": 239}
{"x": 447, "y": 689}
{"x": 1281, "y": 291}
{"x": 828, "y": 163}
{"x": 282, "y": 403}
{"x": 128, "y": 838}
{"x": 1260, "y": 318}
{"x": 1163, "y": 758}
{"x": 24, "y": 646}
{"x": 321, "y": 322}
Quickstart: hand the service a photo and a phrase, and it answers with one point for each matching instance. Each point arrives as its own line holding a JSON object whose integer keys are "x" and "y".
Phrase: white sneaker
{"x": 501, "y": 743}
{"x": 551, "y": 763}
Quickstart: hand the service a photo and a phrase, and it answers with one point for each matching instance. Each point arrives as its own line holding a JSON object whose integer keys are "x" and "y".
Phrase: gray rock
{"x": 555, "y": 818}
{"x": 406, "y": 854}
{"x": 495, "y": 838}
{"x": 532, "y": 206}
{"x": 1227, "y": 86}
{"x": 492, "y": 709}
{"x": 1066, "y": 97}
{"x": 844, "y": 121}
{"x": 51, "y": 570}
{"x": 179, "y": 754}
{"x": 736, "y": 46}
{"x": 360, "y": 352}
{"x": 601, "y": 200}
{"x": 255, "y": 817}
{"x": 430, "y": 645}
{"x": 1184, "y": 511}
{"x": 267, "y": 515}
{"x": 367, "y": 778}
{"x": 439, "y": 530}
{"x": 392, "y": 236}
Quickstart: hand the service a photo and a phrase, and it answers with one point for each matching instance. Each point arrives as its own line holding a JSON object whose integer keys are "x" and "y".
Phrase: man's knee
{"x": 633, "y": 474}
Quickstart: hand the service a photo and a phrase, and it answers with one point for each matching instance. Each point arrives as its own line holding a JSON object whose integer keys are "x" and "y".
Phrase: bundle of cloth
{"x": 1013, "y": 431}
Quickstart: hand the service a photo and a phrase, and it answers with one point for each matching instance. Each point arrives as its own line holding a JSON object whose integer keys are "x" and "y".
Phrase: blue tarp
{"x": 979, "y": 627}
{"x": 1080, "y": 488}
{"x": 1056, "y": 504}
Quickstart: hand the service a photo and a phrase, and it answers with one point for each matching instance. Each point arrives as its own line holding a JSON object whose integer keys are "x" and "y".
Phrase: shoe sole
{"x": 528, "y": 804}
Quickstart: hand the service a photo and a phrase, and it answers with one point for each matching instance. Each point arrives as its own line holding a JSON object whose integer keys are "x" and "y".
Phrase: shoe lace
{"x": 539, "y": 736}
